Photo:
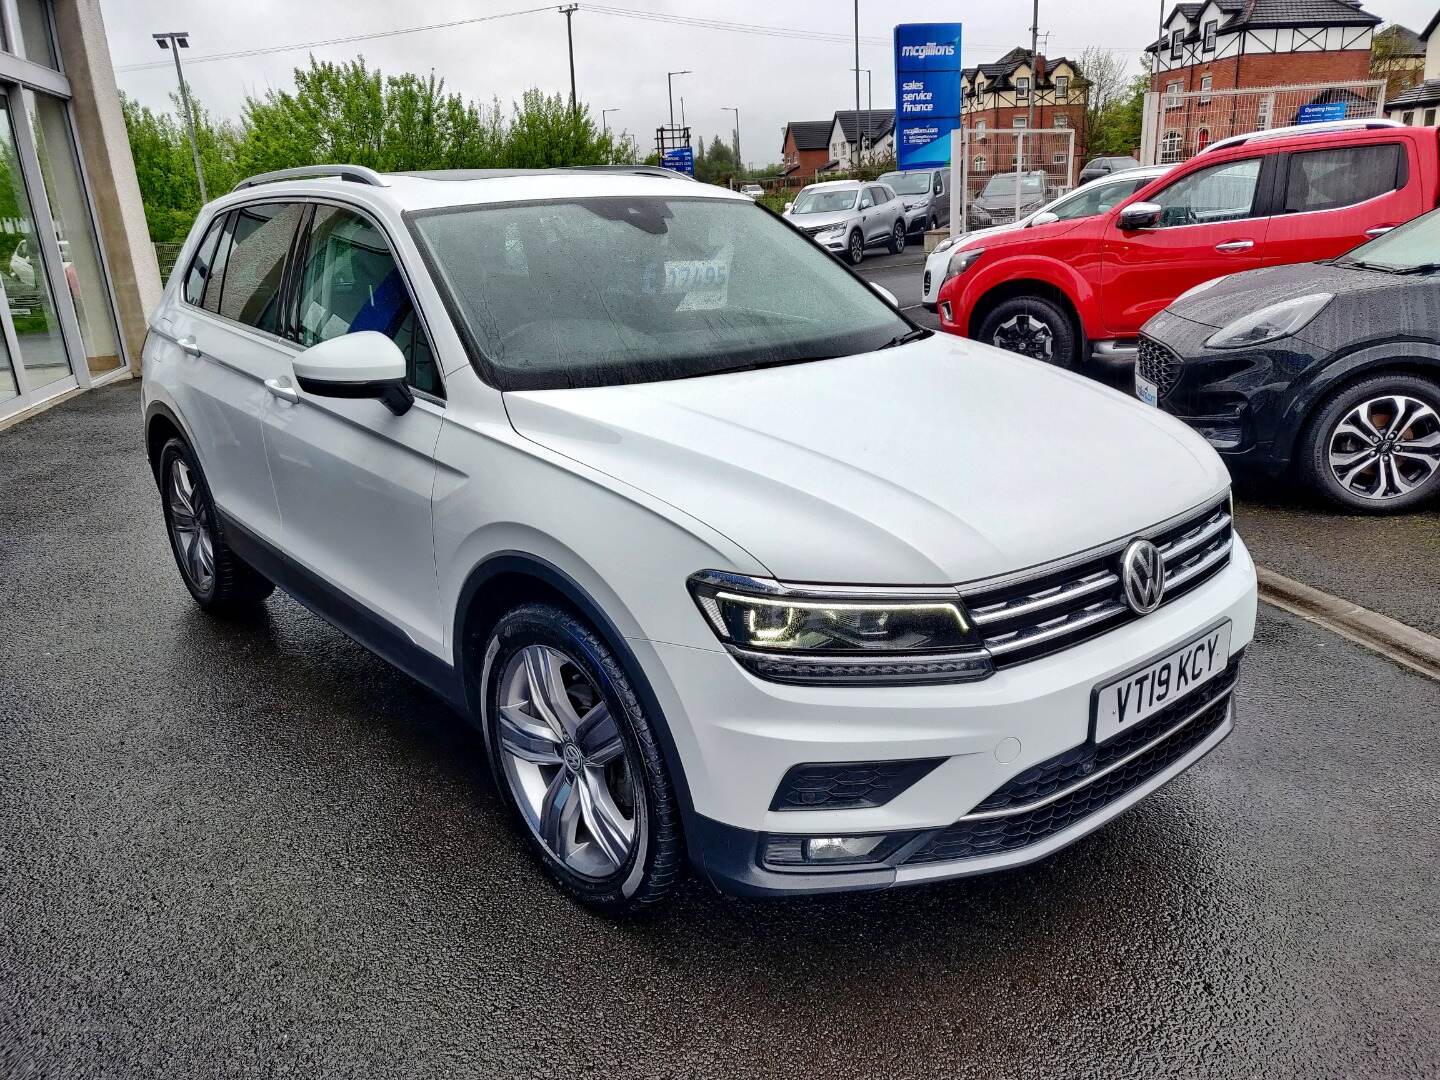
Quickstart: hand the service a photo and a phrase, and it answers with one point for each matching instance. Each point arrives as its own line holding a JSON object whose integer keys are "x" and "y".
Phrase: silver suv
{"x": 847, "y": 216}
{"x": 926, "y": 196}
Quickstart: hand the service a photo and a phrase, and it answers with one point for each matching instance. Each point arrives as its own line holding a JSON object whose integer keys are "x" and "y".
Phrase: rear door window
{"x": 260, "y": 244}
{"x": 1330, "y": 179}
{"x": 203, "y": 265}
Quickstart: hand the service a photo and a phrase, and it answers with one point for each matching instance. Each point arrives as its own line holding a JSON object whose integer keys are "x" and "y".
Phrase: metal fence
{"x": 1000, "y": 176}
{"x": 1178, "y": 124}
{"x": 165, "y": 255}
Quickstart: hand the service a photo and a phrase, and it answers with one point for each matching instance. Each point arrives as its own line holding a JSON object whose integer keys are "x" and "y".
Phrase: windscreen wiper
{"x": 906, "y": 338}
{"x": 757, "y": 365}
{"x": 1421, "y": 268}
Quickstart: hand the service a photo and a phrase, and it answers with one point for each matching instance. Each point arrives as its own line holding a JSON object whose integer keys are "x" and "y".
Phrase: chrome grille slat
{"x": 1023, "y": 616}
{"x": 1060, "y": 594}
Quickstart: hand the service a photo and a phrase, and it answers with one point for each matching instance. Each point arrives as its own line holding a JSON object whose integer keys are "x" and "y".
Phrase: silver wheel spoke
{"x": 599, "y": 736}
{"x": 558, "y": 811}
{"x": 603, "y": 820}
{"x": 527, "y": 738}
{"x": 548, "y": 697}
{"x": 1396, "y": 479}
{"x": 1348, "y": 479}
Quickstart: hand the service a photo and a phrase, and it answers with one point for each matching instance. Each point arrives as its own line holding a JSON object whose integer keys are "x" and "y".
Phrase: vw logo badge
{"x": 1142, "y": 571}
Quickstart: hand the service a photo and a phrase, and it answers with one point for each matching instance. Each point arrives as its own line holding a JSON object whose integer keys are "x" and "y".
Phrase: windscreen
{"x": 907, "y": 183}
{"x": 599, "y": 292}
{"x": 822, "y": 201}
{"x": 1413, "y": 246}
{"x": 1004, "y": 184}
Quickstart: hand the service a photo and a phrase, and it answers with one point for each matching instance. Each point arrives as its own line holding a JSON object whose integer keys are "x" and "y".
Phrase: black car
{"x": 1331, "y": 367}
{"x": 1104, "y": 166}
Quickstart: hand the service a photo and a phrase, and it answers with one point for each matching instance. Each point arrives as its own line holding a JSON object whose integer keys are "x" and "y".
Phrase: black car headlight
{"x": 1270, "y": 323}
{"x": 837, "y": 636}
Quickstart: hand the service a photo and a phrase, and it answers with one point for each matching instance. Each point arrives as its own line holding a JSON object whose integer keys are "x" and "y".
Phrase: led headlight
{"x": 831, "y": 230}
{"x": 962, "y": 261}
{"x": 946, "y": 244}
{"x": 1270, "y": 323}
{"x": 841, "y": 636}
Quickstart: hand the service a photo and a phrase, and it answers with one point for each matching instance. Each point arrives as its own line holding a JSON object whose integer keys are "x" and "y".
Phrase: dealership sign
{"x": 1322, "y": 113}
{"x": 927, "y": 93}
{"x": 680, "y": 158}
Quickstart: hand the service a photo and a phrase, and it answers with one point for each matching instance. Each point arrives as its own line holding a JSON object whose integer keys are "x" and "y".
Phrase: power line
{"x": 759, "y": 29}
{"x": 241, "y": 53}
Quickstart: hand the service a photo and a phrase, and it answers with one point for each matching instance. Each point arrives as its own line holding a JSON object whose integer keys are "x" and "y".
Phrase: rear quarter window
{"x": 1343, "y": 176}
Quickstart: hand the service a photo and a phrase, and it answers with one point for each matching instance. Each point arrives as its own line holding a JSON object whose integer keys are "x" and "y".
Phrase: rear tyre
{"x": 220, "y": 581}
{"x": 897, "y": 237}
{"x": 577, "y": 762}
{"x": 1032, "y": 326}
{"x": 855, "y": 250}
{"x": 1374, "y": 447}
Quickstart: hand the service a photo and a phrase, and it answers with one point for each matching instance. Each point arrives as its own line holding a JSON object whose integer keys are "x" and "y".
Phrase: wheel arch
{"x": 508, "y": 578}
{"x": 162, "y": 425}
{"x": 1418, "y": 358}
{"x": 1008, "y": 278}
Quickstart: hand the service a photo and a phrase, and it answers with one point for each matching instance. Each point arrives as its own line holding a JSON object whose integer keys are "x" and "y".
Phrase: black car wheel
{"x": 856, "y": 251}
{"x": 219, "y": 580}
{"x": 897, "y": 237}
{"x": 577, "y": 761}
{"x": 1375, "y": 446}
{"x": 1031, "y": 326}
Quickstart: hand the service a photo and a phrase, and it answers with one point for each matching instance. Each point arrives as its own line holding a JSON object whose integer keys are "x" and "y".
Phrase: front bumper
{"x": 738, "y": 736}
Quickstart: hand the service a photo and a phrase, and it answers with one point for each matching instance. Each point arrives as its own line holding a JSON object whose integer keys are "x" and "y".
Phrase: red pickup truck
{"x": 1068, "y": 291}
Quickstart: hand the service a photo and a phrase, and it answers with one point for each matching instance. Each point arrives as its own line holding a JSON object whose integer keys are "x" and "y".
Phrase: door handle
{"x": 188, "y": 346}
{"x": 1378, "y": 230}
{"x": 282, "y": 389}
{"x": 1231, "y": 246}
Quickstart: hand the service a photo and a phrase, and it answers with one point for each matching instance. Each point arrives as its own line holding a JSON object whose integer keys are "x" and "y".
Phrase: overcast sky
{"x": 620, "y": 61}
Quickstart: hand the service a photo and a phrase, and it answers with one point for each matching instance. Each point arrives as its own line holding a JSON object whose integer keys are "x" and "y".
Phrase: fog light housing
{"x": 817, "y": 851}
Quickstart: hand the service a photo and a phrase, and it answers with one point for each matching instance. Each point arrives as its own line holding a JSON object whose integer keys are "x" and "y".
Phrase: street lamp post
{"x": 862, "y": 135}
{"x": 670, "y": 85}
{"x": 739, "y": 161}
{"x": 175, "y": 42}
{"x": 604, "y": 114}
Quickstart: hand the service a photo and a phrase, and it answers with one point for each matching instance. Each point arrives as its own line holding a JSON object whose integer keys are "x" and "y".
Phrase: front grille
{"x": 848, "y": 785}
{"x": 1158, "y": 364}
{"x": 1022, "y": 617}
{"x": 1009, "y": 829}
{"x": 812, "y": 230}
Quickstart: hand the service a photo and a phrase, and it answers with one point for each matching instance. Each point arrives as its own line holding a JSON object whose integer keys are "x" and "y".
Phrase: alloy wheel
{"x": 1027, "y": 336}
{"x": 899, "y": 237}
{"x": 190, "y": 521}
{"x": 565, "y": 762}
{"x": 857, "y": 248}
{"x": 1385, "y": 447}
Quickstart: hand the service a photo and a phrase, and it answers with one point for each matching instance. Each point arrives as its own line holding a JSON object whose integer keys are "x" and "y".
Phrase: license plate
{"x": 1147, "y": 391}
{"x": 1128, "y": 701}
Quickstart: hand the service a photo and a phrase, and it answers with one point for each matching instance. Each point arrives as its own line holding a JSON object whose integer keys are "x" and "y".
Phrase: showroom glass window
{"x": 35, "y": 40}
{"x": 350, "y": 282}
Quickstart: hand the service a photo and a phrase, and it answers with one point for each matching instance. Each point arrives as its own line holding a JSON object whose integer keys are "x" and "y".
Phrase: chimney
{"x": 1039, "y": 69}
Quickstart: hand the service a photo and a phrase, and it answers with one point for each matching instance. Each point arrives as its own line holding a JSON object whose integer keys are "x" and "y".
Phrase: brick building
{"x": 998, "y": 96}
{"x": 1250, "y": 45}
{"x": 806, "y": 149}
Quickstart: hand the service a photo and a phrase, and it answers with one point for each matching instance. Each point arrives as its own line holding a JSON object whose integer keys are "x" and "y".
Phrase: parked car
{"x": 1084, "y": 288}
{"x": 754, "y": 191}
{"x": 847, "y": 216}
{"x": 1093, "y": 198}
{"x": 585, "y": 525}
{"x": 1007, "y": 197}
{"x": 1106, "y": 166}
{"x": 926, "y": 194}
{"x": 1332, "y": 368}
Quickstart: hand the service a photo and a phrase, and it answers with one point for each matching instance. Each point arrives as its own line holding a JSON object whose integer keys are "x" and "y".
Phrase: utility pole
{"x": 175, "y": 42}
{"x": 569, "y": 12}
{"x": 739, "y": 161}
{"x": 1034, "y": 49}
{"x": 856, "y": 154}
{"x": 670, "y": 85}
{"x": 869, "y": 108}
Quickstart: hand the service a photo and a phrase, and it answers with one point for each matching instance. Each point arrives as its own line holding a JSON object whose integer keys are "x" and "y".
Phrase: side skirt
{"x": 353, "y": 619}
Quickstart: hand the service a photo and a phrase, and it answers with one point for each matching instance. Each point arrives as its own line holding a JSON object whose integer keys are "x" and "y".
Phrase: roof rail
{"x": 358, "y": 174}
{"x": 1293, "y": 130}
{"x": 634, "y": 170}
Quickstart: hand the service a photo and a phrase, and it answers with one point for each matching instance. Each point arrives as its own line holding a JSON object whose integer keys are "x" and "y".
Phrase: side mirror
{"x": 1140, "y": 215}
{"x": 886, "y": 295}
{"x": 1043, "y": 218}
{"x": 788, "y": 207}
{"x": 366, "y": 364}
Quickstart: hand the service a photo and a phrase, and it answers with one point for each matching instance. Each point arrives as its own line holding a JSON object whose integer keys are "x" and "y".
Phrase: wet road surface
{"x": 253, "y": 849}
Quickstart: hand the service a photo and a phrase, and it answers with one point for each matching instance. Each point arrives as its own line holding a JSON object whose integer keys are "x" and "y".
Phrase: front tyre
{"x": 1375, "y": 447}
{"x": 855, "y": 249}
{"x": 577, "y": 762}
{"x": 220, "y": 581}
{"x": 1031, "y": 326}
{"x": 897, "y": 237}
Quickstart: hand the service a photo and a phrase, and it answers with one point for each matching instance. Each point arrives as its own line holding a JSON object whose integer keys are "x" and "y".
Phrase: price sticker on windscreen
{"x": 704, "y": 282}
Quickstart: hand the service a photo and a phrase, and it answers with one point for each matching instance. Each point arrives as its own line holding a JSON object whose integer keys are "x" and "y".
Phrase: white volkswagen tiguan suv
{"x": 734, "y": 566}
